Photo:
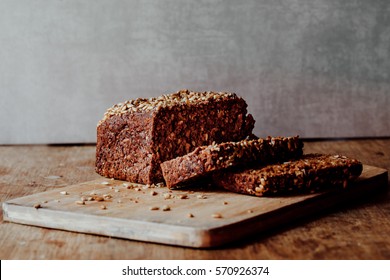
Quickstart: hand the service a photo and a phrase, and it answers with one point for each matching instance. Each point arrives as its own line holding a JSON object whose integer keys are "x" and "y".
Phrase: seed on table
{"x": 153, "y": 208}
{"x": 37, "y": 205}
{"x": 80, "y": 202}
{"x": 64, "y": 193}
{"x": 103, "y": 207}
{"x": 166, "y": 208}
{"x": 190, "y": 215}
{"x": 216, "y": 216}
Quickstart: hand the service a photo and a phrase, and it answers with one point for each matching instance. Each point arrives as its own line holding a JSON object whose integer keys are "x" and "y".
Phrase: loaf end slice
{"x": 308, "y": 174}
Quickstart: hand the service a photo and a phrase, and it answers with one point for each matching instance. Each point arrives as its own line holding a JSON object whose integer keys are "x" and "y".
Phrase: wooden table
{"x": 360, "y": 230}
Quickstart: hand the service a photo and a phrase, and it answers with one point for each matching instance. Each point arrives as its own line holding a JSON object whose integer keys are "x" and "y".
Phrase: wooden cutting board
{"x": 200, "y": 218}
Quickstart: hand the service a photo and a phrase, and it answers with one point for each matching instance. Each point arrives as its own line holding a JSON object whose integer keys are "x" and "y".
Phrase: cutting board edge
{"x": 189, "y": 236}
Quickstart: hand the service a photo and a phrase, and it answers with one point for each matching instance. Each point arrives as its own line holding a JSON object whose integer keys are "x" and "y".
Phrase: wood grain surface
{"x": 357, "y": 230}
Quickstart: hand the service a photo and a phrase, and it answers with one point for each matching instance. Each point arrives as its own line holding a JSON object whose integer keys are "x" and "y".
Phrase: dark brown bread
{"x": 311, "y": 173}
{"x": 134, "y": 137}
{"x": 206, "y": 159}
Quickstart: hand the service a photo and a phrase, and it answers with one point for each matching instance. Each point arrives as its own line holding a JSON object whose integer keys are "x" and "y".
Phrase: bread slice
{"x": 310, "y": 173}
{"x": 206, "y": 159}
{"x": 134, "y": 137}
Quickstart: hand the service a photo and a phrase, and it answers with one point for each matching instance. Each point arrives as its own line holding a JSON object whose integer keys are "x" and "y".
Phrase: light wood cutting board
{"x": 192, "y": 219}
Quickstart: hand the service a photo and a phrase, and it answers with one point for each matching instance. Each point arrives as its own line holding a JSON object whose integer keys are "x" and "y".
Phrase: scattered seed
{"x": 98, "y": 198}
{"x": 190, "y": 215}
{"x": 153, "y": 208}
{"x": 116, "y": 190}
{"x": 103, "y": 207}
{"x": 137, "y": 189}
{"x": 80, "y": 202}
{"x": 105, "y": 183}
{"x": 45, "y": 201}
{"x": 153, "y": 193}
{"x": 37, "y": 205}
{"x": 166, "y": 208}
{"x": 183, "y": 196}
{"x": 225, "y": 203}
{"x": 159, "y": 185}
{"x": 216, "y": 216}
{"x": 201, "y": 196}
{"x": 167, "y": 195}
{"x": 250, "y": 211}
{"x": 64, "y": 193}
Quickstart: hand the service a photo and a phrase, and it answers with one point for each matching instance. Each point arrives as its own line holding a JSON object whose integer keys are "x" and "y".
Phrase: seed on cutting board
{"x": 190, "y": 215}
{"x": 153, "y": 193}
{"x": 105, "y": 183}
{"x": 137, "y": 189}
{"x": 80, "y": 202}
{"x": 64, "y": 193}
{"x": 216, "y": 216}
{"x": 37, "y": 205}
{"x": 250, "y": 211}
{"x": 103, "y": 207}
{"x": 98, "y": 198}
{"x": 153, "y": 208}
{"x": 116, "y": 190}
{"x": 167, "y": 195}
{"x": 201, "y": 196}
{"x": 183, "y": 196}
{"x": 166, "y": 208}
{"x": 225, "y": 203}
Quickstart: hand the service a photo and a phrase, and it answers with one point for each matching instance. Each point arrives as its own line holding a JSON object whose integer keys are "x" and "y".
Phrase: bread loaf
{"x": 136, "y": 136}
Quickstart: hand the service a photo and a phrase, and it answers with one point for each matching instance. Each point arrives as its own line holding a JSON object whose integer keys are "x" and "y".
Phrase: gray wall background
{"x": 317, "y": 68}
